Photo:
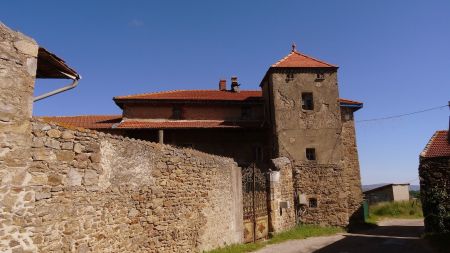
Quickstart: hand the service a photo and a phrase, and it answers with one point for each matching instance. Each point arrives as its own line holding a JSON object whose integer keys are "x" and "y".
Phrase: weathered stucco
{"x": 296, "y": 129}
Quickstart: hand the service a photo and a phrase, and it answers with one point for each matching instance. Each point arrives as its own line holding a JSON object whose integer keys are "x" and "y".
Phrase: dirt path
{"x": 391, "y": 236}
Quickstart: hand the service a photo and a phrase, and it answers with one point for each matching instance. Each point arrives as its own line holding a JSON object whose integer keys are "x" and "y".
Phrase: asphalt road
{"x": 392, "y": 236}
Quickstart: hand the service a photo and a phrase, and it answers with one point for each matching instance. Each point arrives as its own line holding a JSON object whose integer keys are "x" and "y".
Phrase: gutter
{"x": 57, "y": 91}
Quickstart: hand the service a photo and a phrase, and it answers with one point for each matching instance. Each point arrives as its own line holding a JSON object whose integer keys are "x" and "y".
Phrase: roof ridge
{"x": 301, "y": 54}
{"x": 175, "y": 91}
{"x": 283, "y": 59}
{"x": 84, "y": 115}
{"x": 148, "y": 93}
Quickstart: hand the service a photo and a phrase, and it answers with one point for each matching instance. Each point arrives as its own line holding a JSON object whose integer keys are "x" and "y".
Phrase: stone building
{"x": 297, "y": 114}
{"x": 240, "y": 164}
{"x": 387, "y": 193}
{"x": 434, "y": 174}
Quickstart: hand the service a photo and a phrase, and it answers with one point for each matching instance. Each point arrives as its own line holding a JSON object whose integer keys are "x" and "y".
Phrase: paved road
{"x": 392, "y": 236}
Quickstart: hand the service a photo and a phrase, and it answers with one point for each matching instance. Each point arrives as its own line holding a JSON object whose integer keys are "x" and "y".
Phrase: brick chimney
{"x": 234, "y": 84}
{"x": 222, "y": 85}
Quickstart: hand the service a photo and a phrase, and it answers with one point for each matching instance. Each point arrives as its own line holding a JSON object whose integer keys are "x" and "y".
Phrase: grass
{"x": 299, "y": 232}
{"x": 411, "y": 209}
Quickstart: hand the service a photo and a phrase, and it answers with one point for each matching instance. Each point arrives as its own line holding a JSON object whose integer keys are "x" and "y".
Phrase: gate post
{"x": 282, "y": 210}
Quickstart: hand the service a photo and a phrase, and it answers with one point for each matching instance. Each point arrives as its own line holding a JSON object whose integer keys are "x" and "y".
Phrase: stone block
{"x": 26, "y": 47}
{"x": 90, "y": 177}
{"x": 65, "y": 155}
{"x": 73, "y": 177}
{"x": 54, "y": 133}
{"x": 67, "y": 135}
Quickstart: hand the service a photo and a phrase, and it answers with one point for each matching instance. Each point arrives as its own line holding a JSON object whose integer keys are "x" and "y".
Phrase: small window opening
{"x": 320, "y": 76}
{"x": 307, "y": 101}
{"x": 312, "y": 202}
{"x": 246, "y": 112}
{"x": 311, "y": 154}
{"x": 177, "y": 113}
{"x": 289, "y": 77}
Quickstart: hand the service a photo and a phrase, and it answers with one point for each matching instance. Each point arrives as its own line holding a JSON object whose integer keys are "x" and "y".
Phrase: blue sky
{"x": 393, "y": 55}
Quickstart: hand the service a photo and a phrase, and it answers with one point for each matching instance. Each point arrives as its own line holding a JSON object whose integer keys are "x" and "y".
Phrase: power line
{"x": 402, "y": 115}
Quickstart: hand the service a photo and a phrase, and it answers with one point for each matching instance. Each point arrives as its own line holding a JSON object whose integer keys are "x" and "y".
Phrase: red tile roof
{"x": 299, "y": 60}
{"x": 438, "y": 145}
{"x": 244, "y": 95}
{"x": 347, "y": 101}
{"x": 186, "y": 124}
{"x": 86, "y": 121}
{"x": 212, "y": 95}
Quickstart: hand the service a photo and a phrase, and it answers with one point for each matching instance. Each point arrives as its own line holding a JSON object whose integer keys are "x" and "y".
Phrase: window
{"x": 177, "y": 112}
{"x": 246, "y": 112}
{"x": 320, "y": 76}
{"x": 312, "y": 203}
{"x": 307, "y": 101}
{"x": 311, "y": 154}
{"x": 289, "y": 77}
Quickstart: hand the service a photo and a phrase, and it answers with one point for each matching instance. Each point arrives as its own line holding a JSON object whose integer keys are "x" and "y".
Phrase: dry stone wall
{"x": 326, "y": 184}
{"x": 351, "y": 166}
{"x": 18, "y": 62}
{"x": 434, "y": 173}
{"x": 97, "y": 193}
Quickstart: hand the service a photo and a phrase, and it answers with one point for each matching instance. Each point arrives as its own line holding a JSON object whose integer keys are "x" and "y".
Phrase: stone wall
{"x": 18, "y": 62}
{"x": 434, "y": 174}
{"x": 351, "y": 165}
{"x": 282, "y": 209}
{"x": 95, "y": 192}
{"x": 326, "y": 184}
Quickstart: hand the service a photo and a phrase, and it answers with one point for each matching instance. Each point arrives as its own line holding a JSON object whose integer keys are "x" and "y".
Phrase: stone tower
{"x": 303, "y": 106}
{"x": 303, "y": 109}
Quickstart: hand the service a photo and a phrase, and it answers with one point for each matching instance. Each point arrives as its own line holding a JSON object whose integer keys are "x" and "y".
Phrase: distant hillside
{"x": 373, "y": 186}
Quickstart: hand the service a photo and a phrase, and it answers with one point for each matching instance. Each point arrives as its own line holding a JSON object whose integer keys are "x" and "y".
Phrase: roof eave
{"x": 273, "y": 69}
{"x": 52, "y": 67}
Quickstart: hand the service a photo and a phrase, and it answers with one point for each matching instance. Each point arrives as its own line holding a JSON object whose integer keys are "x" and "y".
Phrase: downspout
{"x": 65, "y": 88}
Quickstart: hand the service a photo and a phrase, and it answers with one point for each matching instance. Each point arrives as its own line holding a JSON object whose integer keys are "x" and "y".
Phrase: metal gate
{"x": 256, "y": 218}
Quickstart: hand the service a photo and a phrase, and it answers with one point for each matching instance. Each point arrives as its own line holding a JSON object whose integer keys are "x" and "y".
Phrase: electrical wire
{"x": 401, "y": 115}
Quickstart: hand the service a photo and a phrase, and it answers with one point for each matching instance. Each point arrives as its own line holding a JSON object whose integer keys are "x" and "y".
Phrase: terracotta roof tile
{"x": 171, "y": 124}
{"x": 86, "y": 121}
{"x": 244, "y": 95}
{"x": 347, "y": 101}
{"x": 438, "y": 145}
{"x": 216, "y": 95}
{"x": 299, "y": 60}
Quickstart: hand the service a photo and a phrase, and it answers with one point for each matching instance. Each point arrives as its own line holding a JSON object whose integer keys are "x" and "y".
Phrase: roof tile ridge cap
{"x": 350, "y": 100}
{"x": 283, "y": 59}
{"x": 312, "y": 58}
{"x": 82, "y": 115}
{"x": 171, "y": 120}
{"x": 430, "y": 142}
{"x": 148, "y": 93}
